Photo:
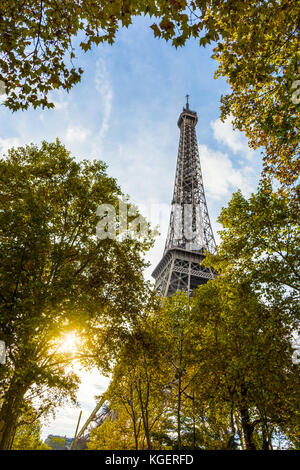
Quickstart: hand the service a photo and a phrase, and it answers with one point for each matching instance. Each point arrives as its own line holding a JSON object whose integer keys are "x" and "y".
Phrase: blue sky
{"x": 125, "y": 112}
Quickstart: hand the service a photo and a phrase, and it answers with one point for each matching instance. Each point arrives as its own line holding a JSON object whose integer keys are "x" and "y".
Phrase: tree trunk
{"x": 239, "y": 431}
{"x": 135, "y": 433}
{"x": 134, "y": 419}
{"x": 266, "y": 436}
{"x": 194, "y": 433}
{"x": 194, "y": 422}
{"x": 7, "y": 427}
{"x": 179, "y": 414}
{"x": 231, "y": 440}
{"x": 144, "y": 417}
{"x": 247, "y": 429}
{"x": 9, "y": 414}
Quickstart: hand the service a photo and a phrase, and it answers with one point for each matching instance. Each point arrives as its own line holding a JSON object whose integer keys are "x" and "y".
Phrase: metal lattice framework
{"x": 190, "y": 233}
{"x": 98, "y": 416}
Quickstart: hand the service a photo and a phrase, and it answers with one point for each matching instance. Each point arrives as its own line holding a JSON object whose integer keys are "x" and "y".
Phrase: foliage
{"x": 28, "y": 437}
{"x": 177, "y": 334}
{"x": 56, "y": 276}
{"x": 216, "y": 370}
{"x": 260, "y": 241}
{"x": 115, "y": 433}
{"x": 259, "y": 255}
{"x": 220, "y": 375}
{"x": 259, "y": 56}
{"x": 36, "y": 42}
{"x": 256, "y": 45}
{"x": 138, "y": 383}
{"x": 57, "y": 443}
{"x": 245, "y": 353}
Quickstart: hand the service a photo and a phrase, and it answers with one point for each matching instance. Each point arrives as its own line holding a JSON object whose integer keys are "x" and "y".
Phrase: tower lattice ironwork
{"x": 190, "y": 233}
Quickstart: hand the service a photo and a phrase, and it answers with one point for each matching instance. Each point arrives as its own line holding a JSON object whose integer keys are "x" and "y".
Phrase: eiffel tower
{"x": 189, "y": 236}
{"x": 190, "y": 233}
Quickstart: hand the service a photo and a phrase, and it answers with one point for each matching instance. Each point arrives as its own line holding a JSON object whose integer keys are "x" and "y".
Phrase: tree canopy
{"x": 217, "y": 370}
{"x": 260, "y": 242}
{"x": 57, "y": 276}
{"x": 256, "y": 45}
{"x": 28, "y": 437}
{"x": 210, "y": 372}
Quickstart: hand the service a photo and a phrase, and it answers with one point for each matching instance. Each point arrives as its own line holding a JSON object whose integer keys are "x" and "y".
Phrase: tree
{"x": 57, "y": 276}
{"x": 219, "y": 366}
{"x": 176, "y": 332}
{"x": 210, "y": 372}
{"x": 57, "y": 443}
{"x": 138, "y": 389}
{"x": 257, "y": 261}
{"x": 33, "y": 57}
{"x": 259, "y": 56}
{"x": 245, "y": 357}
{"x": 260, "y": 241}
{"x": 28, "y": 437}
{"x": 114, "y": 434}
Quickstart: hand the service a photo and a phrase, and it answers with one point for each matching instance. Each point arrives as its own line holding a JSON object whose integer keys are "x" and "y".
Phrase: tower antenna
{"x": 187, "y": 102}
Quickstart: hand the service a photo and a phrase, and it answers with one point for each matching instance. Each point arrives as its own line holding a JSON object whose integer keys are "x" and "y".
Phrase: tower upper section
{"x": 190, "y": 234}
{"x": 187, "y": 116}
{"x": 190, "y": 226}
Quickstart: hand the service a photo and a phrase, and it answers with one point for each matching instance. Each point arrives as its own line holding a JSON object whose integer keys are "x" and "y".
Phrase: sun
{"x": 69, "y": 343}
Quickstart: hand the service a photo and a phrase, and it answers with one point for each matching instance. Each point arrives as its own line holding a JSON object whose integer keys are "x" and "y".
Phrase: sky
{"x": 125, "y": 113}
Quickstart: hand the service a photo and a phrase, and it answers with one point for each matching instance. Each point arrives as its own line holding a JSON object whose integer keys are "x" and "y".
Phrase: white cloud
{"x": 7, "y": 143}
{"x": 60, "y": 100}
{"x": 104, "y": 88}
{"x": 234, "y": 139}
{"x": 60, "y": 105}
{"x": 220, "y": 177}
{"x": 77, "y": 134}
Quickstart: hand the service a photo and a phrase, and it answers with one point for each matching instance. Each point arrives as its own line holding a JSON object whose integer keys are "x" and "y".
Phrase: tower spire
{"x": 187, "y": 102}
{"x": 190, "y": 233}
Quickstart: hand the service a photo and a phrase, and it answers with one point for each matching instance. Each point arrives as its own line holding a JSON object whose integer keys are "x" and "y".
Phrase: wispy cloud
{"x": 104, "y": 88}
{"x": 6, "y": 143}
